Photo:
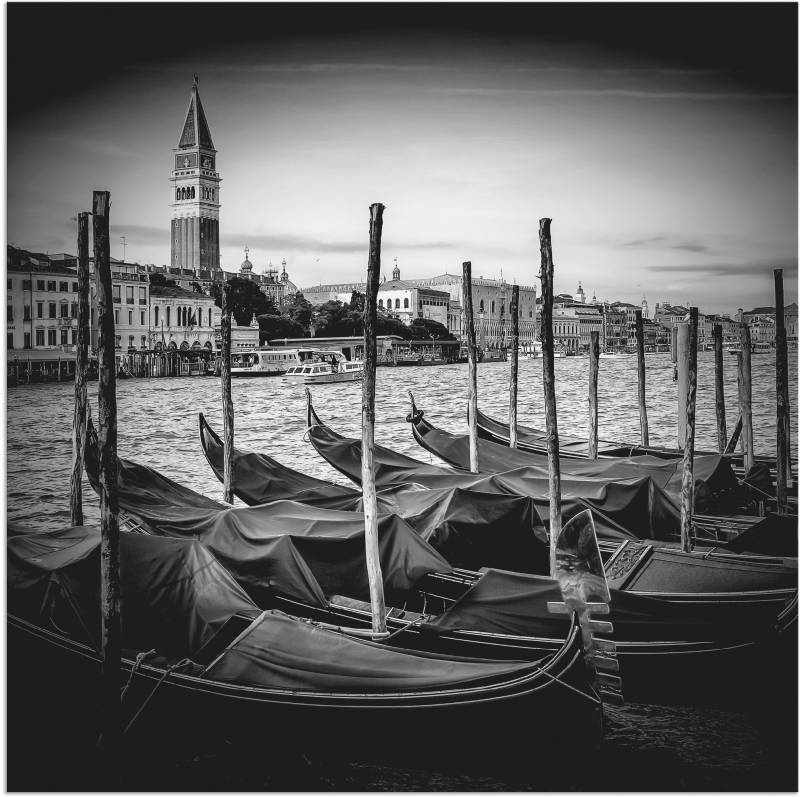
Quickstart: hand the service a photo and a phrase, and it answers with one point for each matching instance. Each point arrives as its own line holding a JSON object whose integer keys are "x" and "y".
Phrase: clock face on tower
{"x": 186, "y": 160}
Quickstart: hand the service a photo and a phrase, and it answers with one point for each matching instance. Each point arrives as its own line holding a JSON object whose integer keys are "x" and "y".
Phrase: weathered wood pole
{"x": 512, "y": 400}
{"x": 549, "y": 382}
{"x": 111, "y": 637}
{"x": 227, "y": 399}
{"x": 594, "y": 369}
{"x": 472, "y": 359}
{"x": 369, "y": 497}
{"x": 673, "y": 349}
{"x": 737, "y": 430}
{"x": 687, "y": 482}
{"x": 719, "y": 388}
{"x": 81, "y": 364}
{"x": 645, "y": 432}
{"x": 746, "y": 397}
{"x": 782, "y": 397}
{"x": 682, "y": 365}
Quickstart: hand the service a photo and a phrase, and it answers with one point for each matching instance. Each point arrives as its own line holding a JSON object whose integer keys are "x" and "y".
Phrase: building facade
{"x": 181, "y": 320}
{"x": 406, "y": 301}
{"x": 194, "y": 193}
{"x": 130, "y": 295}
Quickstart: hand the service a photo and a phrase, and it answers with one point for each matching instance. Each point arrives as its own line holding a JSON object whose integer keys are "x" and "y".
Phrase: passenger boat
{"x": 266, "y": 362}
{"x": 310, "y": 562}
{"x": 325, "y": 368}
{"x": 198, "y": 649}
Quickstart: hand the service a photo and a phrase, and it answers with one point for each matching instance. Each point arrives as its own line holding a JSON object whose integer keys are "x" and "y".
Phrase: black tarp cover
{"x": 174, "y": 594}
{"x": 631, "y": 508}
{"x": 293, "y": 549}
{"x": 716, "y": 485}
{"x": 282, "y": 653}
{"x": 504, "y": 602}
{"x": 469, "y": 528}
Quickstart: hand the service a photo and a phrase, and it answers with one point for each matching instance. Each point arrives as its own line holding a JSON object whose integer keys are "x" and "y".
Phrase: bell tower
{"x": 194, "y": 193}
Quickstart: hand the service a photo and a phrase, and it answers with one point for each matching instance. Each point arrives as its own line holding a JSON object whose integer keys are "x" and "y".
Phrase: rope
{"x": 182, "y": 663}
{"x": 408, "y": 625}
{"x": 140, "y": 657}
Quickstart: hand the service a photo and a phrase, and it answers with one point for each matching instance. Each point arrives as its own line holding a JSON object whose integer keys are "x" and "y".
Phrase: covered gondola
{"x": 197, "y": 650}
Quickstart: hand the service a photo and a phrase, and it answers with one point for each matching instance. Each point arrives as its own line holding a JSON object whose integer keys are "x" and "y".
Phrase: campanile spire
{"x": 195, "y": 192}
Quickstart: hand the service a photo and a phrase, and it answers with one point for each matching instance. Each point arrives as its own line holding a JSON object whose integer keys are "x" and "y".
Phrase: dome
{"x": 247, "y": 266}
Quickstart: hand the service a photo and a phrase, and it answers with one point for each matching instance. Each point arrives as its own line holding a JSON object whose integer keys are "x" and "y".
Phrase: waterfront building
{"x": 566, "y": 328}
{"x": 181, "y": 320}
{"x": 406, "y": 300}
{"x": 41, "y": 301}
{"x": 614, "y": 329}
{"x": 278, "y": 289}
{"x": 790, "y": 322}
{"x": 194, "y": 193}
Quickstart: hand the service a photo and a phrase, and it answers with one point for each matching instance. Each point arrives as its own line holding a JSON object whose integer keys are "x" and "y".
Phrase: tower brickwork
{"x": 194, "y": 193}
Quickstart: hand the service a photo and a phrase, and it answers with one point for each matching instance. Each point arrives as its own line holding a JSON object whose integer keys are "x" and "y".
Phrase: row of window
{"x": 142, "y": 317}
{"x": 116, "y": 294}
{"x": 184, "y": 317}
{"x": 54, "y": 310}
{"x": 189, "y": 193}
{"x": 63, "y": 286}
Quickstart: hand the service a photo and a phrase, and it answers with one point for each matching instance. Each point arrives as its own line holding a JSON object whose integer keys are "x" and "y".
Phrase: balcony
{"x": 143, "y": 301}
{"x": 129, "y": 300}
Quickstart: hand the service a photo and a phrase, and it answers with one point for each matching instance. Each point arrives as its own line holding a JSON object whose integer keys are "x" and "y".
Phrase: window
{"x": 396, "y": 304}
{"x": 40, "y": 337}
{"x": 380, "y": 303}
{"x": 209, "y": 317}
{"x": 40, "y": 309}
{"x": 74, "y": 287}
{"x": 144, "y": 341}
{"x": 130, "y": 342}
{"x": 9, "y": 313}
{"x": 155, "y": 315}
{"x": 405, "y": 303}
{"x": 168, "y": 316}
{"x": 27, "y": 337}
{"x": 492, "y": 306}
{"x": 117, "y": 341}
{"x": 51, "y": 337}
{"x": 130, "y": 318}
{"x": 26, "y": 285}
{"x": 10, "y": 285}
{"x": 26, "y": 313}
{"x": 64, "y": 310}
{"x": 115, "y": 292}
{"x": 129, "y": 294}
{"x": 39, "y": 285}
{"x": 51, "y": 309}
{"x": 63, "y": 286}
{"x": 142, "y": 295}
{"x": 73, "y": 310}
{"x": 116, "y": 317}
{"x": 51, "y": 285}
{"x": 141, "y": 318}
{"x": 64, "y": 333}
{"x": 74, "y": 336}
{"x": 9, "y": 340}
{"x": 480, "y": 309}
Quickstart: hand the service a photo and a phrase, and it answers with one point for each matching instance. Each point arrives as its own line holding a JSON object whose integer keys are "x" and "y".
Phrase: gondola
{"x": 198, "y": 650}
{"x": 492, "y": 613}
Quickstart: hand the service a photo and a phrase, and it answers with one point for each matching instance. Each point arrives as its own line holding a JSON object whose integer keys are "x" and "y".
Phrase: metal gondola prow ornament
{"x": 582, "y": 579}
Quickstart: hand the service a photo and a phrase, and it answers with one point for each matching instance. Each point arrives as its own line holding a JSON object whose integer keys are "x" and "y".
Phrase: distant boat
{"x": 334, "y": 368}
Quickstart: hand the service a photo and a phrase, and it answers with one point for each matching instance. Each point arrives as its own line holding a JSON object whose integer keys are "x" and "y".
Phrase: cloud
{"x": 665, "y": 242}
{"x": 309, "y": 244}
{"x": 632, "y": 94}
{"x": 729, "y": 269}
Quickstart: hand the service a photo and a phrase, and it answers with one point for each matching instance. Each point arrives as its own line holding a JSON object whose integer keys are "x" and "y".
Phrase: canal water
{"x": 739, "y": 747}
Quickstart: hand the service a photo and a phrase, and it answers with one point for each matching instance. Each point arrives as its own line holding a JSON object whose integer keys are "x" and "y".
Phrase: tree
{"x": 427, "y": 329}
{"x": 245, "y": 298}
{"x": 392, "y": 326}
{"x": 273, "y": 326}
{"x": 357, "y": 301}
{"x": 299, "y": 310}
{"x": 157, "y": 278}
{"x": 196, "y": 287}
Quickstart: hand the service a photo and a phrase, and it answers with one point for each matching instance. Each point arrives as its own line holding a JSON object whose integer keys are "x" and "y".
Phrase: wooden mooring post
{"x": 645, "y": 432}
{"x": 472, "y": 359}
{"x": 594, "y": 369}
{"x": 369, "y": 497}
{"x": 687, "y": 481}
{"x": 782, "y": 398}
{"x": 81, "y": 365}
{"x": 682, "y": 367}
{"x": 549, "y": 383}
{"x": 111, "y": 636}
{"x": 512, "y": 399}
{"x": 746, "y": 397}
{"x": 227, "y": 399}
{"x": 719, "y": 388}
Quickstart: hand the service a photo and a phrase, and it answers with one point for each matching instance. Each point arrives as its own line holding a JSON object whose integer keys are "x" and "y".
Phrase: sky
{"x": 660, "y": 139}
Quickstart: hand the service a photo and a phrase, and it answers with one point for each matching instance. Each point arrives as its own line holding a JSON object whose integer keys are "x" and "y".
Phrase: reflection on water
{"x": 158, "y": 427}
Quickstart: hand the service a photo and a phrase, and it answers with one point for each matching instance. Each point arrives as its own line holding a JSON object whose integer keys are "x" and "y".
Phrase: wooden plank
{"x": 368, "y": 491}
{"x": 472, "y": 359}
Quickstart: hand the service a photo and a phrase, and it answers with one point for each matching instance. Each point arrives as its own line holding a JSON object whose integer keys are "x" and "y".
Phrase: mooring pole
{"x": 782, "y": 397}
{"x": 687, "y": 482}
{"x": 673, "y": 348}
{"x": 81, "y": 364}
{"x": 549, "y": 381}
{"x": 719, "y": 388}
{"x": 227, "y": 399}
{"x": 472, "y": 357}
{"x": 645, "y": 432}
{"x": 682, "y": 365}
{"x": 512, "y": 402}
{"x": 746, "y": 397}
{"x": 594, "y": 369}
{"x": 369, "y": 497}
{"x": 111, "y": 637}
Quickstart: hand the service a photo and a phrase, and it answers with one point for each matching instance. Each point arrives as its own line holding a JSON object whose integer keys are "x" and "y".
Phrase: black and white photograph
{"x": 401, "y": 396}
